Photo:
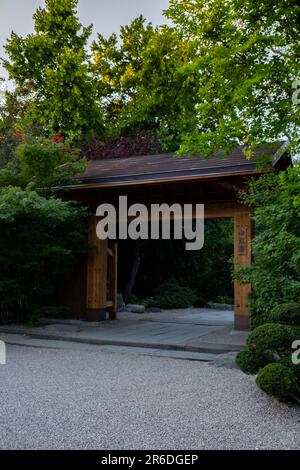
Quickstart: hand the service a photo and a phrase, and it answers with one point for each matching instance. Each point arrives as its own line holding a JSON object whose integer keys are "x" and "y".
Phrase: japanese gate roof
{"x": 170, "y": 167}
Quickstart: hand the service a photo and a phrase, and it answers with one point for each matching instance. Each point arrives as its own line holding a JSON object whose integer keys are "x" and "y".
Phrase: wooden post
{"x": 114, "y": 287}
{"x": 96, "y": 275}
{"x": 243, "y": 234}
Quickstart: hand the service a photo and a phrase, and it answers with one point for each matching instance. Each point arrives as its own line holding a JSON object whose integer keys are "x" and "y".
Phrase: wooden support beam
{"x": 221, "y": 210}
{"x": 243, "y": 234}
{"x": 114, "y": 261}
{"x": 215, "y": 210}
{"x": 96, "y": 275}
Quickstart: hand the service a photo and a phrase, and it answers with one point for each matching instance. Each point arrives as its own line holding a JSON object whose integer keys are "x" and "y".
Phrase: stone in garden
{"x": 138, "y": 308}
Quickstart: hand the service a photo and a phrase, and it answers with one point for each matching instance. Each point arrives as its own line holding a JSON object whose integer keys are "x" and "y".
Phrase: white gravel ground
{"x": 90, "y": 399}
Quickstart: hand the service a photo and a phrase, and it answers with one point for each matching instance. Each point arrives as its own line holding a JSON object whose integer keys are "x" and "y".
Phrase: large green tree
{"x": 248, "y": 61}
{"x": 143, "y": 82}
{"x": 54, "y": 65}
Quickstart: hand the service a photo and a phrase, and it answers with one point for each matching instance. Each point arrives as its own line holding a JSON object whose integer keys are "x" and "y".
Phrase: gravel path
{"x": 87, "y": 399}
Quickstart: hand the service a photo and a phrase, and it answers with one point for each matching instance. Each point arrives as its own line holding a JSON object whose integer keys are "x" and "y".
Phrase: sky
{"x": 106, "y": 15}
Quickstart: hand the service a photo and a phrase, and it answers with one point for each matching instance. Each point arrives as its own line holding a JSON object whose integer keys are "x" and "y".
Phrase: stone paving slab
{"x": 184, "y": 332}
{"x": 26, "y": 341}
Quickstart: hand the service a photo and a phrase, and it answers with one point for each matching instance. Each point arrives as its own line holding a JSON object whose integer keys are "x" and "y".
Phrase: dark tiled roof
{"x": 168, "y": 167}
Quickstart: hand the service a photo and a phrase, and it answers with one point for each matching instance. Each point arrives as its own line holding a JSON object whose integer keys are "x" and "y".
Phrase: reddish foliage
{"x": 15, "y": 137}
{"x": 140, "y": 143}
{"x": 18, "y": 134}
{"x": 57, "y": 138}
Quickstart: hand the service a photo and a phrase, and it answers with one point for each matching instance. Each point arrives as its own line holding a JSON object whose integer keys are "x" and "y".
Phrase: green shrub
{"x": 224, "y": 299}
{"x": 287, "y": 360}
{"x": 133, "y": 299}
{"x": 279, "y": 381}
{"x": 275, "y": 279}
{"x": 46, "y": 163}
{"x": 171, "y": 295}
{"x": 40, "y": 238}
{"x": 269, "y": 354}
{"x": 200, "y": 302}
{"x": 275, "y": 273}
{"x": 271, "y": 336}
{"x": 250, "y": 360}
{"x": 288, "y": 313}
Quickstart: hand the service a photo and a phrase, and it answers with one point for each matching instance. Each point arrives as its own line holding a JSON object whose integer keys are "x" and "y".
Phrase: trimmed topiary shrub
{"x": 250, "y": 361}
{"x": 271, "y": 336}
{"x": 288, "y": 313}
{"x": 269, "y": 354}
{"x": 279, "y": 381}
{"x": 287, "y": 360}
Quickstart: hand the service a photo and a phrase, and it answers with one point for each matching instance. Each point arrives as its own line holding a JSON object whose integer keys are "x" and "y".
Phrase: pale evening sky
{"x": 106, "y": 15}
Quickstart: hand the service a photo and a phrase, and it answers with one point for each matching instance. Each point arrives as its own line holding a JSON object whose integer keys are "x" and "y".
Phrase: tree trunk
{"x": 134, "y": 270}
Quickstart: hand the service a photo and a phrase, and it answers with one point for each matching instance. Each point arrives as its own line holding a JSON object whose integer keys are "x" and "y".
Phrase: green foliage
{"x": 46, "y": 163}
{"x": 172, "y": 295}
{"x": 269, "y": 354}
{"x": 224, "y": 299}
{"x": 12, "y": 109}
{"x": 54, "y": 65}
{"x": 143, "y": 81}
{"x": 271, "y": 336}
{"x": 286, "y": 313}
{"x": 207, "y": 271}
{"x": 219, "y": 76}
{"x": 279, "y": 381}
{"x": 247, "y": 59}
{"x": 40, "y": 238}
{"x": 275, "y": 273}
{"x": 250, "y": 361}
{"x": 10, "y": 176}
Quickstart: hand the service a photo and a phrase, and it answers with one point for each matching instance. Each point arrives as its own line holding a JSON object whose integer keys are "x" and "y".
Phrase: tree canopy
{"x": 143, "y": 82}
{"x": 53, "y": 63}
{"x": 222, "y": 74}
{"x": 247, "y": 59}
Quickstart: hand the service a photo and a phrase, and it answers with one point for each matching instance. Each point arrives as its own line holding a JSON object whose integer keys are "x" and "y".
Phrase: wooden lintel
{"x": 219, "y": 210}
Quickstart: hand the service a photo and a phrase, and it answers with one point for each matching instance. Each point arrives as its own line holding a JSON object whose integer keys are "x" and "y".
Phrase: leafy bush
{"x": 200, "y": 302}
{"x": 171, "y": 295}
{"x": 271, "y": 336}
{"x": 288, "y": 314}
{"x": 279, "y": 381}
{"x": 224, "y": 299}
{"x": 48, "y": 162}
{"x": 275, "y": 273}
{"x": 275, "y": 279}
{"x": 269, "y": 353}
{"x": 40, "y": 238}
{"x": 251, "y": 360}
